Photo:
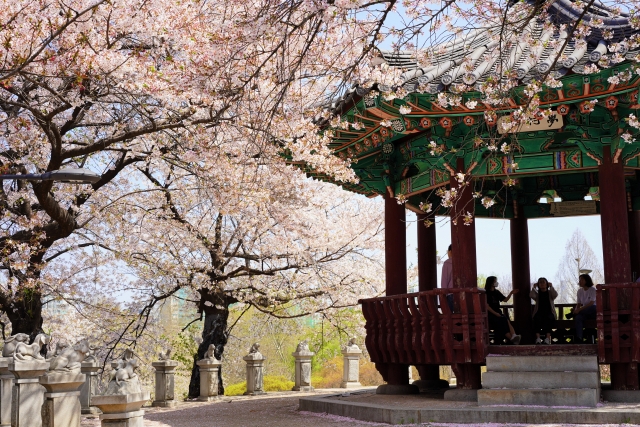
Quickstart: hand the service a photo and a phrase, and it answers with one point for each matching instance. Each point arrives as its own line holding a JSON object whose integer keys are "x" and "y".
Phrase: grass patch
{"x": 271, "y": 383}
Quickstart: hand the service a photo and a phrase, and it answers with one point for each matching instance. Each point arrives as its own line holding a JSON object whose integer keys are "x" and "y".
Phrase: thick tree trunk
{"x": 25, "y": 312}
{"x": 214, "y": 332}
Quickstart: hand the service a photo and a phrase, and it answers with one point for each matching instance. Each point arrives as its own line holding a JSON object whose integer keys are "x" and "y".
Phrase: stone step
{"x": 564, "y": 397}
{"x": 542, "y": 363}
{"x": 537, "y": 380}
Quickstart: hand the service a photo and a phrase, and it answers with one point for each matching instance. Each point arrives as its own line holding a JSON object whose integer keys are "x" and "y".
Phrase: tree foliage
{"x": 578, "y": 256}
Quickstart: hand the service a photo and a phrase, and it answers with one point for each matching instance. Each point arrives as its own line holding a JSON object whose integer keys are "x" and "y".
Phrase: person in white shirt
{"x": 446, "y": 281}
{"x": 586, "y": 306}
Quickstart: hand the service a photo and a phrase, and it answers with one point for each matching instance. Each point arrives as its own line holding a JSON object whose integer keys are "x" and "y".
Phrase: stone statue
{"x": 70, "y": 359}
{"x": 165, "y": 355}
{"x": 11, "y": 343}
{"x": 211, "y": 353}
{"x": 127, "y": 373}
{"x": 351, "y": 346}
{"x": 60, "y": 346}
{"x": 303, "y": 346}
{"x": 255, "y": 348}
{"x": 124, "y": 379}
{"x": 32, "y": 351}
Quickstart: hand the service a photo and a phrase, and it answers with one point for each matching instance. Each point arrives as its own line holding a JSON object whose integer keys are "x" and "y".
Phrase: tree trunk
{"x": 214, "y": 332}
{"x": 25, "y": 312}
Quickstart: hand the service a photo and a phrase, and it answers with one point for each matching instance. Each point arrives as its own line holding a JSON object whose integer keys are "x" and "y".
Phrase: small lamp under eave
{"x": 549, "y": 196}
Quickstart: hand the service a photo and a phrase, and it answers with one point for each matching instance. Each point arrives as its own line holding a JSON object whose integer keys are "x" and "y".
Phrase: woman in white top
{"x": 586, "y": 307}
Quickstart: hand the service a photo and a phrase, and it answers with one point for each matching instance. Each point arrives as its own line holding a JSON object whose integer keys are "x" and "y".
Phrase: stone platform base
{"x": 350, "y": 385}
{"x": 208, "y": 398}
{"x": 397, "y": 389}
{"x": 165, "y": 403}
{"x": 128, "y": 419}
{"x": 620, "y": 396}
{"x": 416, "y": 409}
{"x": 90, "y": 411}
{"x": 303, "y": 388}
{"x": 461, "y": 395}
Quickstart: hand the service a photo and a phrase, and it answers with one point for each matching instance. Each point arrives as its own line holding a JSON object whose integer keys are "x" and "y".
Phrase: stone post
{"x": 63, "y": 382}
{"x": 122, "y": 402}
{"x": 351, "y": 370}
{"x": 28, "y": 394}
{"x": 7, "y": 378}
{"x": 255, "y": 371}
{"x": 165, "y": 383}
{"x": 209, "y": 368}
{"x": 90, "y": 370}
{"x": 303, "y": 358}
{"x": 62, "y": 399}
{"x": 6, "y": 384}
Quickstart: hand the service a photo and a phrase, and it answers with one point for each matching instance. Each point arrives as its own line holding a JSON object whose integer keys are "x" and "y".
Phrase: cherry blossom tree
{"x": 110, "y": 85}
{"x": 267, "y": 238}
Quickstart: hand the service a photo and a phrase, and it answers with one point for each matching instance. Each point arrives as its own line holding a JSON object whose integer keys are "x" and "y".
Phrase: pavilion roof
{"x": 473, "y": 57}
{"x": 394, "y": 153}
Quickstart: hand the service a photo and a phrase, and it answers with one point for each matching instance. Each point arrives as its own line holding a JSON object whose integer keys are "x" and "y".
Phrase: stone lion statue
{"x": 303, "y": 346}
{"x": 211, "y": 352}
{"x": 60, "y": 346}
{"x": 31, "y": 351}
{"x": 12, "y": 342}
{"x": 126, "y": 373}
{"x": 127, "y": 355}
{"x": 124, "y": 379}
{"x": 165, "y": 355}
{"x": 71, "y": 357}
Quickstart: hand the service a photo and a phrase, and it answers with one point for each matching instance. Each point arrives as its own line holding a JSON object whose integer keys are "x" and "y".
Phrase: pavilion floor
{"x": 431, "y": 408}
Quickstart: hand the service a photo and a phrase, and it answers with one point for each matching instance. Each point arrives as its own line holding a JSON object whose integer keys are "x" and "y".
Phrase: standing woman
{"x": 586, "y": 307}
{"x": 544, "y": 313}
{"x": 497, "y": 320}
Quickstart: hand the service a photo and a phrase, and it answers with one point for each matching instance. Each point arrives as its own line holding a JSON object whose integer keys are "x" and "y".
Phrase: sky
{"x": 547, "y": 240}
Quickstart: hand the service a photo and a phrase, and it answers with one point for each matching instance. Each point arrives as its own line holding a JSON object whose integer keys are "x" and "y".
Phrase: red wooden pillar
{"x": 464, "y": 268}
{"x": 634, "y": 242}
{"x": 396, "y": 375}
{"x": 463, "y": 237}
{"x": 395, "y": 247}
{"x": 427, "y": 255}
{"x": 614, "y": 221}
{"x": 521, "y": 274}
{"x": 615, "y": 244}
{"x": 427, "y": 280}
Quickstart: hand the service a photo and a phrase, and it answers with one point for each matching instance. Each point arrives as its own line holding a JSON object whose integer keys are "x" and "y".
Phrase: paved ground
{"x": 279, "y": 410}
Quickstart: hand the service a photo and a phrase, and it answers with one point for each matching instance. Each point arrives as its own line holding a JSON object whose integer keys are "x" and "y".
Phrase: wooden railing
{"x": 414, "y": 329}
{"x": 618, "y": 322}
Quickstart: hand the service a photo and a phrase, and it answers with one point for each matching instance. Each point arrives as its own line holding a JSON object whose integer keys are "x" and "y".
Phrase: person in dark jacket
{"x": 497, "y": 320}
{"x": 544, "y": 313}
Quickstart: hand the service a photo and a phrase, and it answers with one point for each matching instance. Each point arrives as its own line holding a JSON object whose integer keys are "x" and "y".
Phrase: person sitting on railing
{"x": 446, "y": 281}
{"x": 544, "y": 313}
{"x": 585, "y": 309}
{"x": 497, "y": 320}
